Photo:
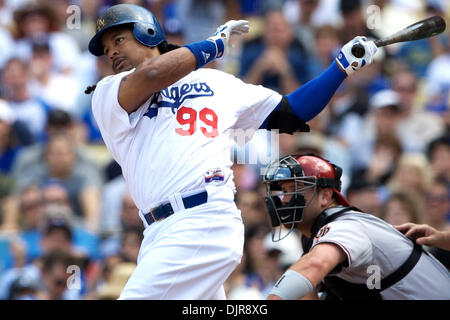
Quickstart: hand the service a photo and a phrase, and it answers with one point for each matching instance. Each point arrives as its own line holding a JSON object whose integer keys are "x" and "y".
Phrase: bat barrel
{"x": 420, "y": 30}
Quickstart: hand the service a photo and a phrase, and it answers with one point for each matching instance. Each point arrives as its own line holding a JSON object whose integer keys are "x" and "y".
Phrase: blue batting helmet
{"x": 146, "y": 28}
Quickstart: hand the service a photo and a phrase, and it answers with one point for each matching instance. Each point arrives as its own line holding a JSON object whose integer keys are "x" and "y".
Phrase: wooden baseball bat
{"x": 420, "y": 30}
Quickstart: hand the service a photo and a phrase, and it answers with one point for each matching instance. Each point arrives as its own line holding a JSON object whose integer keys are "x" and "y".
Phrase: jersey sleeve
{"x": 113, "y": 121}
{"x": 351, "y": 238}
{"x": 255, "y": 104}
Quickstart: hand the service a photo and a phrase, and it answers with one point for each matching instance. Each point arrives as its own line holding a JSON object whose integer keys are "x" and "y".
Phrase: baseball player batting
{"x": 168, "y": 122}
{"x": 350, "y": 254}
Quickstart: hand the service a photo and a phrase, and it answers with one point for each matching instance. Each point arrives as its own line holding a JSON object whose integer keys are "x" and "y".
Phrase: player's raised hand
{"x": 232, "y": 27}
{"x": 348, "y": 62}
{"x": 223, "y": 33}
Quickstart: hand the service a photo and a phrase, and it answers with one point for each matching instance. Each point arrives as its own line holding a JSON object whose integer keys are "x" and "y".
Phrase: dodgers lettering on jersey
{"x": 366, "y": 240}
{"x": 173, "y": 141}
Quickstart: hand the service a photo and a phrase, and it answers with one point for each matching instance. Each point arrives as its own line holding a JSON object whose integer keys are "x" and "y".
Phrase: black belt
{"x": 165, "y": 210}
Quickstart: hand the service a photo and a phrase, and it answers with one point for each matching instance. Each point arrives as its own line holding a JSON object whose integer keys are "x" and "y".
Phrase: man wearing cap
{"x": 353, "y": 255}
{"x": 383, "y": 117}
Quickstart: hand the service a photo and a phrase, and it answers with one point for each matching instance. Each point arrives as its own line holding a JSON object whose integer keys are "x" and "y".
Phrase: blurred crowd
{"x": 68, "y": 226}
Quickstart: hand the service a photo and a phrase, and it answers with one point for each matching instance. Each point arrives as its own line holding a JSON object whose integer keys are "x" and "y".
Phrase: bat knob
{"x": 358, "y": 50}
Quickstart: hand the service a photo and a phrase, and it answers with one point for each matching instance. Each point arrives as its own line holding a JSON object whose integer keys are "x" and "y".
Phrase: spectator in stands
{"x": 131, "y": 243}
{"x": 276, "y": 60}
{"x": 417, "y": 127}
{"x": 6, "y": 13}
{"x": 304, "y": 28}
{"x": 328, "y": 147}
{"x": 363, "y": 194}
{"x": 252, "y": 207}
{"x": 354, "y": 22}
{"x": 103, "y": 275}
{"x": 37, "y": 19}
{"x": 56, "y": 90}
{"x": 92, "y": 70}
{"x": 55, "y": 193}
{"x": 198, "y": 16}
{"x": 401, "y": 208}
{"x": 26, "y": 108}
{"x": 6, "y": 44}
{"x": 262, "y": 267}
{"x": 381, "y": 120}
{"x": 236, "y": 287}
{"x": 438, "y": 153}
{"x": 437, "y": 83}
{"x": 326, "y": 45}
{"x": 36, "y": 204}
{"x": 31, "y": 206}
{"x": 60, "y": 163}
{"x": 437, "y": 214}
{"x": 417, "y": 55}
{"x": 26, "y": 287}
{"x": 383, "y": 161}
{"x": 55, "y": 235}
{"x": 437, "y": 205}
{"x": 58, "y": 122}
{"x": 120, "y": 274}
{"x": 13, "y": 136}
{"x": 128, "y": 219}
{"x": 412, "y": 175}
{"x": 113, "y": 192}
{"x": 56, "y": 278}
{"x": 57, "y": 229}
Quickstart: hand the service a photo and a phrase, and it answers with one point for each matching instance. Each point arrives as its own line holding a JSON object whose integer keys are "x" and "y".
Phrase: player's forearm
{"x": 157, "y": 73}
{"x": 298, "y": 282}
{"x": 168, "y": 68}
{"x": 311, "y": 98}
{"x": 320, "y": 261}
{"x": 313, "y": 268}
{"x": 153, "y": 75}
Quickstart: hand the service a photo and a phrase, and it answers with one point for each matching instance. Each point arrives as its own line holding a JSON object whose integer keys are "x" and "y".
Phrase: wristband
{"x": 292, "y": 286}
{"x": 206, "y": 51}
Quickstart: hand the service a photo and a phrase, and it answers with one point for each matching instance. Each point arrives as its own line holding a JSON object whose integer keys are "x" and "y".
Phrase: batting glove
{"x": 348, "y": 62}
{"x": 223, "y": 33}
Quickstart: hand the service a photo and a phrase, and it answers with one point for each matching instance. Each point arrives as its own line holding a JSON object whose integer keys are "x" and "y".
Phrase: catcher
{"x": 350, "y": 254}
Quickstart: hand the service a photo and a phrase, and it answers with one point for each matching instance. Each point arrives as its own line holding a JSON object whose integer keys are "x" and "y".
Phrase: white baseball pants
{"x": 189, "y": 255}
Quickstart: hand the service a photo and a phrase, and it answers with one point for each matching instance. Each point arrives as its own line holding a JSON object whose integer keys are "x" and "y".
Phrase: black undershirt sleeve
{"x": 285, "y": 120}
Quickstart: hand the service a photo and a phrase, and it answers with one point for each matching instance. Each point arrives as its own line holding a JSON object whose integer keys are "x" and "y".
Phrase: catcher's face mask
{"x": 286, "y": 187}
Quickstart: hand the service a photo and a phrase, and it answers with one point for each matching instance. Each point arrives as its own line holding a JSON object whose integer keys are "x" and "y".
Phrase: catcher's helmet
{"x": 146, "y": 28}
{"x": 306, "y": 171}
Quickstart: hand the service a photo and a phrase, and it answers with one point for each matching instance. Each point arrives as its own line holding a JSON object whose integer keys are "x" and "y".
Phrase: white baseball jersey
{"x": 373, "y": 245}
{"x": 177, "y": 142}
{"x": 182, "y": 141}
